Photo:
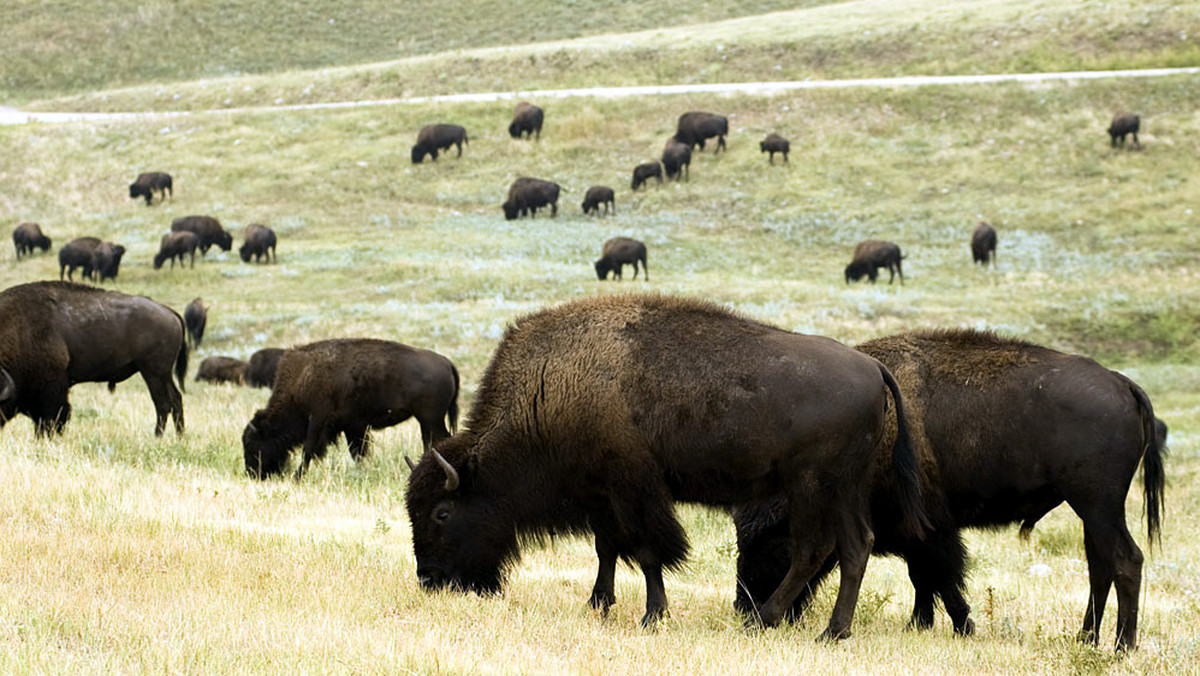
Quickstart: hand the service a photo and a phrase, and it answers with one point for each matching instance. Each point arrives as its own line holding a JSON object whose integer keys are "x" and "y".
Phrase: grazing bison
{"x": 644, "y": 172}
{"x": 1005, "y": 432}
{"x": 350, "y": 387}
{"x": 526, "y": 195}
{"x": 56, "y": 334}
{"x": 221, "y": 370}
{"x": 260, "y": 243}
{"x": 598, "y": 195}
{"x": 872, "y": 254}
{"x": 145, "y": 185}
{"x": 774, "y": 143}
{"x": 435, "y": 137}
{"x": 27, "y": 237}
{"x": 195, "y": 318}
{"x": 696, "y": 127}
{"x": 983, "y": 244}
{"x": 77, "y": 253}
{"x": 207, "y": 228}
{"x": 176, "y": 245}
{"x": 598, "y": 415}
{"x": 260, "y": 369}
{"x": 619, "y": 252}
{"x": 1122, "y": 125}
{"x": 677, "y": 159}
{"x": 527, "y": 120}
{"x": 106, "y": 260}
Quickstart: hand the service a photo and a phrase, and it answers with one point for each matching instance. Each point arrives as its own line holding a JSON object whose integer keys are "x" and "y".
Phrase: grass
{"x": 123, "y": 553}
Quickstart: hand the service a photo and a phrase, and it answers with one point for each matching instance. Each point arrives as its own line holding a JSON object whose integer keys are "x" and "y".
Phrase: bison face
{"x": 855, "y": 271}
{"x": 514, "y": 130}
{"x": 418, "y": 154}
{"x": 224, "y": 240}
{"x": 135, "y": 190}
{"x": 244, "y": 252}
{"x": 602, "y": 269}
{"x": 511, "y": 211}
{"x": 266, "y": 444}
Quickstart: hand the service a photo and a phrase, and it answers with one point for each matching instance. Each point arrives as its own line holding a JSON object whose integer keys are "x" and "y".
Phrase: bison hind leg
{"x": 358, "y": 441}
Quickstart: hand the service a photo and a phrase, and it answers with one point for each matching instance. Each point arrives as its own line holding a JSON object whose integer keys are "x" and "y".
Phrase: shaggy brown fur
{"x": 697, "y": 126}
{"x": 619, "y": 252}
{"x": 435, "y": 137}
{"x": 677, "y": 160}
{"x": 774, "y": 143}
{"x": 207, "y": 228}
{"x": 1122, "y": 125}
{"x": 195, "y": 316}
{"x": 175, "y": 245}
{"x": 27, "y": 237}
{"x": 983, "y": 244}
{"x": 259, "y": 244}
{"x": 644, "y": 172}
{"x": 221, "y": 370}
{"x": 527, "y": 120}
{"x": 106, "y": 260}
{"x": 77, "y": 254}
{"x": 146, "y": 184}
{"x": 260, "y": 369}
{"x": 598, "y": 195}
{"x": 527, "y": 195}
{"x": 872, "y": 254}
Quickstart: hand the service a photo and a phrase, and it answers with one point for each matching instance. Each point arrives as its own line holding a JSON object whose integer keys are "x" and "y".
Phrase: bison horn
{"x": 451, "y": 473}
{"x": 411, "y": 465}
{"x": 7, "y": 387}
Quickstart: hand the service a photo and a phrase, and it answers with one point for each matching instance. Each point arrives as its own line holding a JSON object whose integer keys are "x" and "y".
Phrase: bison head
{"x": 267, "y": 443}
{"x": 418, "y": 153}
{"x": 514, "y": 129}
{"x": 463, "y": 539}
{"x": 224, "y": 240}
{"x": 603, "y": 267}
{"x": 135, "y": 190}
{"x": 511, "y": 211}
{"x": 856, "y": 271}
{"x": 244, "y": 252}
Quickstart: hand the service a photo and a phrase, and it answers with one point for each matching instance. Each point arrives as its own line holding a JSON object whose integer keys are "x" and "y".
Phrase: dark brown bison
{"x": 619, "y": 252}
{"x": 644, "y": 172}
{"x": 696, "y": 127}
{"x": 527, "y": 120}
{"x": 677, "y": 159}
{"x": 260, "y": 243}
{"x": 527, "y": 195}
{"x": 774, "y": 143}
{"x": 56, "y": 334}
{"x": 77, "y": 254}
{"x": 221, "y": 370}
{"x": 1122, "y": 125}
{"x": 146, "y": 184}
{"x": 260, "y": 369}
{"x": 1005, "y": 432}
{"x": 176, "y": 245}
{"x": 27, "y": 237}
{"x": 195, "y": 318}
{"x": 207, "y": 228}
{"x": 872, "y": 254}
{"x": 598, "y": 415}
{"x": 983, "y": 244}
{"x": 435, "y": 137}
{"x": 350, "y": 387}
{"x": 598, "y": 195}
{"x": 106, "y": 260}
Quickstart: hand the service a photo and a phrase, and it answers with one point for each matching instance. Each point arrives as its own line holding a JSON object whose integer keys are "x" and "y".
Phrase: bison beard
{"x": 596, "y": 416}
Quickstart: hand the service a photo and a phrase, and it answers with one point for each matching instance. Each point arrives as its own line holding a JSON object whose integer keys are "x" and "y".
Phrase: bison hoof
{"x": 831, "y": 635}
{"x": 652, "y": 617}
{"x": 602, "y": 601}
{"x": 967, "y": 628}
{"x": 1087, "y": 636}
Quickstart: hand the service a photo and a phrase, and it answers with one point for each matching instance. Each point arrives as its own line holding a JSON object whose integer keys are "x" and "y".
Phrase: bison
{"x": 527, "y": 120}
{"x": 195, "y": 317}
{"x": 598, "y": 195}
{"x": 644, "y": 172}
{"x": 260, "y": 369}
{"x": 598, "y": 415}
{"x": 435, "y": 137}
{"x": 207, "y": 228}
{"x": 1005, "y": 431}
{"x": 27, "y": 237}
{"x": 619, "y": 252}
{"x": 221, "y": 370}
{"x": 696, "y": 127}
{"x": 260, "y": 243}
{"x": 526, "y": 195}
{"x": 56, "y": 334}
{"x": 1122, "y": 125}
{"x": 677, "y": 159}
{"x": 348, "y": 386}
{"x": 774, "y": 143}
{"x": 983, "y": 244}
{"x": 77, "y": 254}
{"x": 872, "y": 254}
{"x": 176, "y": 245}
{"x": 106, "y": 260}
{"x": 146, "y": 184}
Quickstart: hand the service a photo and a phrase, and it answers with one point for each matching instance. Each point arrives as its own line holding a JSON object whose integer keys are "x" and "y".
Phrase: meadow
{"x": 123, "y": 553}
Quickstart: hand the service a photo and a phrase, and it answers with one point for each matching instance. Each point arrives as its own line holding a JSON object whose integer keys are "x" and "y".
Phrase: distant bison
{"x": 348, "y": 386}
{"x": 677, "y": 159}
{"x": 1122, "y": 125}
{"x": 207, "y": 228}
{"x": 696, "y": 127}
{"x": 435, "y": 137}
{"x": 221, "y": 370}
{"x": 527, "y": 120}
{"x": 175, "y": 245}
{"x": 774, "y": 143}
{"x": 27, "y": 237}
{"x": 983, "y": 244}
{"x": 527, "y": 195}
{"x": 619, "y": 252}
{"x": 260, "y": 368}
{"x": 77, "y": 254}
{"x": 146, "y": 184}
{"x": 598, "y": 195}
{"x": 195, "y": 317}
{"x": 259, "y": 244}
{"x": 644, "y": 172}
{"x": 872, "y": 254}
{"x": 106, "y": 260}
{"x": 56, "y": 334}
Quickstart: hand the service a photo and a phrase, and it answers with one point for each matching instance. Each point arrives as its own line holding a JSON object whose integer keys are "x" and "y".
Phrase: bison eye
{"x": 441, "y": 514}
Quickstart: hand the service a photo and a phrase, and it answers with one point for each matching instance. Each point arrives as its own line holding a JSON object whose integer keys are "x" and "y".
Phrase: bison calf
{"x": 598, "y": 195}
{"x": 106, "y": 260}
{"x": 983, "y": 244}
{"x": 619, "y": 252}
{"x": 774, "y": 143}
{"x": 195, "y": 317}
{"x": 527, "y": 195}
{"x": 260, "y": 243}
{"x": 207, "y": 228}
{"x": 77, "y": 254}
{"x": 348, "y": 386}
{"x": 146, "y": 184}
{"x": 1122, "y": 125}
{"x": 435, "y": 137}
{"x": 527, "y": 120}
{"x": 221, "y": 370}
{"x": 27, "y": 237}
{"x": 872, "y": 254}
{"x": 260, "y": 368}
{"x": 677, "y": 159}
{"x": 176, "y": 245}
{"x": 644, "y": 172}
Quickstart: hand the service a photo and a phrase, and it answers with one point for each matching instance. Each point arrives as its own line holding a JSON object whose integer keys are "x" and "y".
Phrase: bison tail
{"x": 181, "y": 359}
{"x": 1154, "y": 450}
{"x": 904, "y": 462}
{"x": 453, "y": 412}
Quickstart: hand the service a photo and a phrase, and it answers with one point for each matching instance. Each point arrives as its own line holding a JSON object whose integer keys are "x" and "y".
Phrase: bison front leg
{"x": 656, "y": 594}
{"x": 358, "y": 440}
{"x": 604, "y": 593}
{"x": 315, "y": 441}
{"x": 51, "y": 411}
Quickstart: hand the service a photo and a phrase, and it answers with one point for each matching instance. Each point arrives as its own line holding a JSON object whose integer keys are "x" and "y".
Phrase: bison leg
{"x": 656, "y": 594}
{"x": 936, "y": 568}
{"x": 358, "y": 440}
{"x": 433, "y": 432}
{"x": 52, "y": 409}
{"x": 167, "y": 400}
{"x": 604, "y": 591}
{"x": 720, "y": 145}
{"x": 1112, "y": 556}
{"x": 854, "y": 542}
{"x": 315, "y": 441}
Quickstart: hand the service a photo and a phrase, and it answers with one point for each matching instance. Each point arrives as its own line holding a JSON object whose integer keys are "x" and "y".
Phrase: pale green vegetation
{"x": 123, "y": 553}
